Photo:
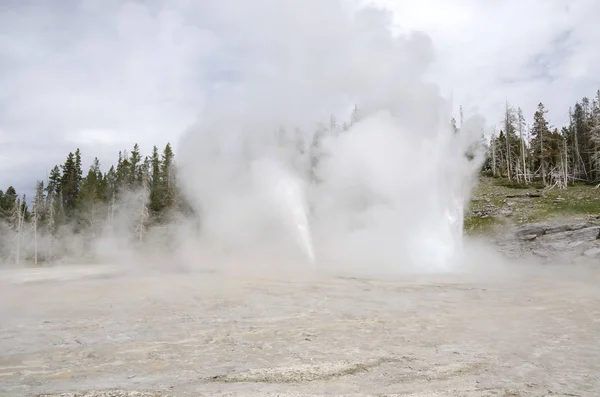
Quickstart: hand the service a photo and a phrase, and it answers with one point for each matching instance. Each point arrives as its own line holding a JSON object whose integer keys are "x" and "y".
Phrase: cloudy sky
{"x": 101, "y": 75}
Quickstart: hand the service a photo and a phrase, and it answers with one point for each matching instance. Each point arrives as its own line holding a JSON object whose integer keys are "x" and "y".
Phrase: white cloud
{"x": 124, "y": 69}
{"x": 525, "y": 52}
{"x": 106, "y": 74}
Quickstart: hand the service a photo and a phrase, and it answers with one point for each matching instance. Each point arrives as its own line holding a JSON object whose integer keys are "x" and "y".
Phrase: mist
{"x": 321, "y": 147}
{"x": 340, "y": 105}
{"x": 303, "y": 236}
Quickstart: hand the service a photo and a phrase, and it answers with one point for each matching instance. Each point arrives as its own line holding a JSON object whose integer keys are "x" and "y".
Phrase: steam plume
{"x": 382, "y": 192}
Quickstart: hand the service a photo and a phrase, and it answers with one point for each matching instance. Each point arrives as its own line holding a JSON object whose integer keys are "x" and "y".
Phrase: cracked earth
{"x": 67, "y": 332}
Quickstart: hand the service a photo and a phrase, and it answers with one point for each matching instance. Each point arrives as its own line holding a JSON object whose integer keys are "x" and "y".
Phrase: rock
{"x": 565, "y": 228}
{"x": 580, "y": 231}
{"x": 528, "y": 230}
{"x": 552, "y": 241}
{"x": 528, "y": 237}
{"x": 566, "y": 245}
{"x": 592, "y": 253}
{"x": 589, "y": 233}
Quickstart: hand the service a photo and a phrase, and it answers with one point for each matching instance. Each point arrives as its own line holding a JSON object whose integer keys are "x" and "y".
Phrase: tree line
{"x": 72, "y": 210}
{"x": 87, "y": 203}
{"x": 141, "y": 192}
{"x": 542, "y": 153}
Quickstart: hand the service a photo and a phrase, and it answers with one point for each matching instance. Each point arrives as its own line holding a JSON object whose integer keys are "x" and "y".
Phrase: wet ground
{"x": 83, "y": 329}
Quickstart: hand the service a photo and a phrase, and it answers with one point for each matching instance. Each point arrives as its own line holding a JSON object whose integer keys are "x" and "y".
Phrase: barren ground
{"x": 534, "y": 333}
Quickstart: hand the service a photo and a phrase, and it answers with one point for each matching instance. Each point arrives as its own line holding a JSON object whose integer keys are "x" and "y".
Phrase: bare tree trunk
{"x": 144, "y": 206}
{"x": 596, "y": 157}
{"x": 522, "y": 139}
{"x": 577, "y": 154}
{"x": 19, "y": 229}
{"x": 51, "y": 227}
{"x": 508, "y": 168}
{"x": 543, "y": 168}
{"x": 111, "y": 212}
{"x": 35, "y": 241}
{"x": 508, "y": 127}
{"x": 493, "y": 155}
{"x": 566, "y": 160}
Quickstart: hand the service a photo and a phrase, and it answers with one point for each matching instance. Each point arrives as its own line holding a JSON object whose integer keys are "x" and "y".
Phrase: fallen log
{"x": 526, "y": 195}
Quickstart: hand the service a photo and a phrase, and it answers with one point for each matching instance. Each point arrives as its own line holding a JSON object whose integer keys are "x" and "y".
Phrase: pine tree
{"x": 500, "y": 153}
{"x": 579, "y": 131}
{"x": 156, "y": 192}
{"x": 78, "y": 169}
{"x": 54, "y": 181}
{"x": 111, "y": 182}
{"x": 167, "y": 180}
{"x": 7, "y": 203}
{"x": 91, "y": 184}
{"x": 453, "y": 125}
{"x": 333, "y": 123}
{"x": 540, "y": 132}
{"x": 71, "y": 182}
{"x": 315, "y": 152}
{"x": 91, "y": 194}
{"x": 58, "y": 212}
{"x": 135, "y": 170}
{"x": 144, "y": 168}
{"x": 123, "y": 171}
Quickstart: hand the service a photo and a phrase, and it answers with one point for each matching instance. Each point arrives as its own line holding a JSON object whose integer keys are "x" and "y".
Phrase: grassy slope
{"x": 491, "y": 208}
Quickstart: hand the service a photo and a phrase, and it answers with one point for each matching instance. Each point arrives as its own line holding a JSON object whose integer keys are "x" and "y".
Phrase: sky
{"x": 103, "y": 75}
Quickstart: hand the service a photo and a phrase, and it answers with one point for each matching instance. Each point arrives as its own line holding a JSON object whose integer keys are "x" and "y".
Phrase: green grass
{"x": 510, "y": 184}
{"x": 479, "y": 226}
{"x": 490, "y": 197}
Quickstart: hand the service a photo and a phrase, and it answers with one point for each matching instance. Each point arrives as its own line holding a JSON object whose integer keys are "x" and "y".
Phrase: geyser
{"x": 393, "y": 197}
{"x": 382, "y": 187}
{"x": 284, "y": 194}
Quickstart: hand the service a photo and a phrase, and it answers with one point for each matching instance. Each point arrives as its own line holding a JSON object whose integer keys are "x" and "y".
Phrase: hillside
{"x": 496, "y": 204}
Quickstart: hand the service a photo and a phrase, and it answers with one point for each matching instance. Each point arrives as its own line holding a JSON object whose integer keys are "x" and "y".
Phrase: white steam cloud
{"x": 385, "y": 193}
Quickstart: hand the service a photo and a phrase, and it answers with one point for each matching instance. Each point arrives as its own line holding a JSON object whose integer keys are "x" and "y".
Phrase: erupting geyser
{"x": 382, "y": 187}
{"x": 295, "y": 213}
{"x": 391, "y": 196}
{"x": 285, "y": 196}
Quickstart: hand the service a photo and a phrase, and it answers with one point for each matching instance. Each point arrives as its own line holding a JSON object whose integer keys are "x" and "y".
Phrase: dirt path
{"x": 204, "y": 335}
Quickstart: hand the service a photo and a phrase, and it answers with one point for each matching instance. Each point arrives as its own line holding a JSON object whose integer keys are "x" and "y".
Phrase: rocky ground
{"x": 496, "y": 207}
{"x": 556, "y": 225}
{"x": 525, "y": 332}
{"x": 527, "y": 327}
